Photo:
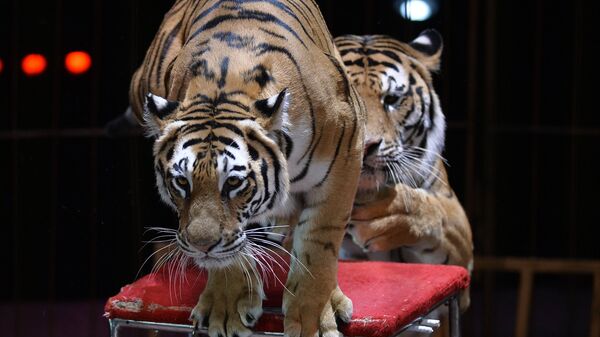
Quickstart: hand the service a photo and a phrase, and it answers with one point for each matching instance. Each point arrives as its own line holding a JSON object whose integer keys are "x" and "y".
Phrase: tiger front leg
{"x": 339, "y": 307}
{"x": 231, "y": 303}
{"x": 314, "y": 298}
{"x": 401, "y": 219}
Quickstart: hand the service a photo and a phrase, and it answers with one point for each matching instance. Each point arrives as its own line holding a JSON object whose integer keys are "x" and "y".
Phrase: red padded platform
{"x": 386, "y": 296}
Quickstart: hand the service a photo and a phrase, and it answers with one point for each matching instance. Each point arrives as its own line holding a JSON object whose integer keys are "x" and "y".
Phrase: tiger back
{"x": 253, "y": 118}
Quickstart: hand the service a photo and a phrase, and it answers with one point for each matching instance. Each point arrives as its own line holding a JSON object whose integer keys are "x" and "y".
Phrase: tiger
{"x": 405, "y": 209}
{"x": 253, "y": 119}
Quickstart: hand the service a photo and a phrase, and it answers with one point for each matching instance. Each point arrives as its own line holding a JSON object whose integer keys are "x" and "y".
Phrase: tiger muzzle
{"x": 202, "y": 235}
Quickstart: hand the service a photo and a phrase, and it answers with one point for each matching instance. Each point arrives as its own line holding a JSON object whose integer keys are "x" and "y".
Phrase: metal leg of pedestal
{"x": 454, "y": 316}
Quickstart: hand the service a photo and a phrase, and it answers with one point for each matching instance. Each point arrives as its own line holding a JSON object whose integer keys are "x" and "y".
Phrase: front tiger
{"x": 253, "y": 118}
{"x": 405, "y": 208}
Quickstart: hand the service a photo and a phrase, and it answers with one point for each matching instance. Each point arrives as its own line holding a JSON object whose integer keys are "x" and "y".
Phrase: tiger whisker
{"x": 435, "y": 153}
{"x": 264, "y": 233}
{"x": 263, "y": 228}
{"x": 430, "y": 169}
{"x": 271, "y": 258}
{"x": 246, "y": 274}
{"x": 160, "y": 230}
{"x": 292, "y": 257}
{"x": 158, "y": 239}
{"x": 150, "y": 256}
{"x": 262, "y": 253}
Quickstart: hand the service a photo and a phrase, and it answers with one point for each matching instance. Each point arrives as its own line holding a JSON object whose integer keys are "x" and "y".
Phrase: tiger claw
{"x": 198, "y": 321}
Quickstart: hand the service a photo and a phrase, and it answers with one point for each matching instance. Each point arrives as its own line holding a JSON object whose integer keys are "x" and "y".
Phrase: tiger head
{"x": 405, "y": 124}
{"x": 216, "y": 158}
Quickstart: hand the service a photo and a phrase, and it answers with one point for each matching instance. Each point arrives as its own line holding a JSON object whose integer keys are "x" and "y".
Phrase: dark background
{"x": 517, "y": 84}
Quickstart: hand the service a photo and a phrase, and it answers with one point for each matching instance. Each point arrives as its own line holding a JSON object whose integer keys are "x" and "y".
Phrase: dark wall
{"x": 516, "y": 84}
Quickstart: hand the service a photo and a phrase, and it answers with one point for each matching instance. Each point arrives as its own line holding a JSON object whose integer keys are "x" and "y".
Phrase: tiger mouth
{"x": 218, "y": 256}
{"x": 371, "y": 179}
{"x": 209, "y": 262}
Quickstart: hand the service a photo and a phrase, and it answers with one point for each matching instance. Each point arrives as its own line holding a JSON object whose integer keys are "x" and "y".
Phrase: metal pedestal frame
{"x": 421, "y": 324}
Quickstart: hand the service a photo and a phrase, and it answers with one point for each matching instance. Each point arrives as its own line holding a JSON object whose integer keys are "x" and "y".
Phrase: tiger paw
{"x": 339, "y": 307}
{"x": 300, "y": 322}
{"x": 230, "y": 304}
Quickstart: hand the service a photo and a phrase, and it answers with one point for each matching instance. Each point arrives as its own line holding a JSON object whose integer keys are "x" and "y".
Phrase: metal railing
{"x": 527, "y": 268}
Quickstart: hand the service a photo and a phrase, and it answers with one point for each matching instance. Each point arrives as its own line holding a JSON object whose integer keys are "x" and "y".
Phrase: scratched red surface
{"x": 386, "y": 296}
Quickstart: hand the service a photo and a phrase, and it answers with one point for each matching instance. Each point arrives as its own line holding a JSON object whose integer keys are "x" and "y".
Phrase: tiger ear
{"x": 276, "y": 109}
{"x": 429, "y": 45}
{"x": 156, "y": 111}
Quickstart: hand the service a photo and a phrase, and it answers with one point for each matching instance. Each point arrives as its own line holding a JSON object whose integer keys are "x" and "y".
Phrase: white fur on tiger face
{"x": 405, "y": 123}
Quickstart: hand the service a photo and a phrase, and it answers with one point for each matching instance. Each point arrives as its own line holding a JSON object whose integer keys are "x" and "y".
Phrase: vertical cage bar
{"x": 489, "y": 141}
{"x": 488, "y": 190}
{"x": 595, "y": 315}
{"x": 55, "y": 167}
{"x": 573, "y": 179}
{"x": 133, "y": 145}
{"x": 524, "y": 302}
{"x": 536, "y": 100}
{"x": 471, "y": 101}
{"x": 93, "y": 168}
{"x": 368, "y": 22}
{"x": 472, "y": 62}
{"x": 13, "y": 107}
{"x": 574, "y": 119}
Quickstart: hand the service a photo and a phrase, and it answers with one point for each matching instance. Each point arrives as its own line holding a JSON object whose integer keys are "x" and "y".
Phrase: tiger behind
{"x": 405, "y": 208}
{"x": 253, "y": 118}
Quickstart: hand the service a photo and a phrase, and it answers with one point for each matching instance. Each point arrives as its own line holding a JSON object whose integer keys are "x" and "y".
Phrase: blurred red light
{"x": 33, "y": 64}
{"x": 78, "y": 62}
{"x": 1, "y": 66}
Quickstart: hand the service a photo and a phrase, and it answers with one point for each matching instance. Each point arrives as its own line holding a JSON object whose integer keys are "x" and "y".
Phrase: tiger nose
{"x": 371, "y": 146}
{"x": 201, "y": 236}
{"x": 203, "y": 246}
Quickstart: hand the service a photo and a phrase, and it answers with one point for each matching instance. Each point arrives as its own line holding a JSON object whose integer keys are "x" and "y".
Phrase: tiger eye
{"x": 181, "y": 181}
{"x": 391, "y": 99}
{"x": 233, "y": 181}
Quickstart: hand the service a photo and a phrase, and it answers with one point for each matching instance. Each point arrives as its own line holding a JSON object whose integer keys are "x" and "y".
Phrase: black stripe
{"x": 358, "y": 62}
{"x": 224, "y": 69}
{"x": 268, "y": 48}
{"x": 192, "y": 128}
{"x": 193, "y": 142}
{"x": 264, "y": 172}
{"x": 308, "y": 162}
{"x": 337, "y": 151}
{"x": 274, "y": 160}
{"x": 245, "y": 15}
{"x": 155, "y": 53}
{"x": 228, "y": 154}
{"x": 253, "y": 153}
{"x": 200, "y": 68}
{"x": 306, "y": 19}
{"x": 279, "y": 36}
{"x": 170, "y": 153}
{"x": 165, "y": 49}
{"x": 289, "y": 144}
{"x": 232, "y": 118}
{"x": 234, "y": 40}
{"x": 264, "y": 108}
{"x": 341, "y": 74}
{"x": 228, "y": 142}
{"x": 193, "y": 118}
{"x": 168, "y": 142}
{"x": 230, "y": 127}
